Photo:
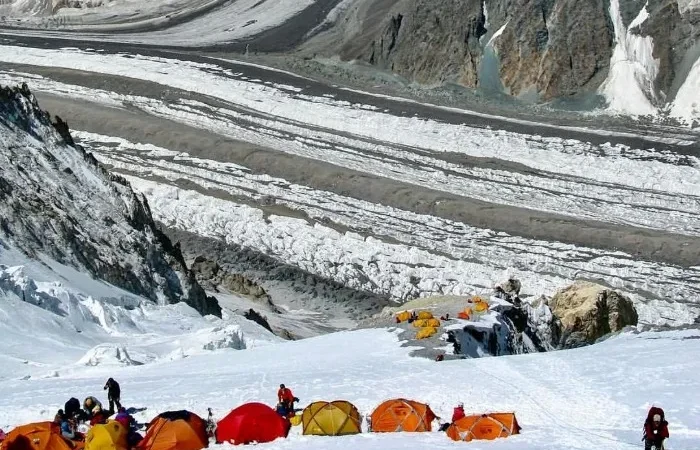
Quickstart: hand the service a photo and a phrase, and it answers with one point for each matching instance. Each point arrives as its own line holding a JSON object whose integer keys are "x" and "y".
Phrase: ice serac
{"x": 57, "y": 201}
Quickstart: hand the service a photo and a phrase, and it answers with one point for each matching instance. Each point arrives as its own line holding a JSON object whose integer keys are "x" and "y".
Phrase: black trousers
{"x": 112, "y": 402}
{"x": 653, "y": 443}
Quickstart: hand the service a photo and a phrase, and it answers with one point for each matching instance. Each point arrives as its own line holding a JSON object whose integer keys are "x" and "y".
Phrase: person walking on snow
{"x": 113, "y": 394}
{"x": 655, "y": 429}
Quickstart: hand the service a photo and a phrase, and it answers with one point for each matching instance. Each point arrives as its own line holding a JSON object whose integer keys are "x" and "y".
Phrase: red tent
{"x": 252, "y": 422}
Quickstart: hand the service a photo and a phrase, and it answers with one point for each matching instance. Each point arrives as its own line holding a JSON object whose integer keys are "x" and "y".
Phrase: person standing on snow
{"x": 655, "y": 429}
{"x": 113, "y": 394}
{"x": 286, "y": 398}
{"x": 458, "y": 412}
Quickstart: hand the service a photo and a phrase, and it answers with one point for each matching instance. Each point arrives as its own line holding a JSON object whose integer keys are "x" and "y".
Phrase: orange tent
{"x": 175, "y": 430}
{"x": 38, "y": 436}
{"x": 485, "y": 426}
{"x": 402, "y": 415}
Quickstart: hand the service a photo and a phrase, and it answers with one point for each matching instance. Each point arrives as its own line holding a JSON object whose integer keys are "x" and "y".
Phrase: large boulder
{"x": 589, "y": 311}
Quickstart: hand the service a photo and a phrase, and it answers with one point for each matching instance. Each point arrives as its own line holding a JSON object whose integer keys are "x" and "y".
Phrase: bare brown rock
{"x": 589, "y": 311}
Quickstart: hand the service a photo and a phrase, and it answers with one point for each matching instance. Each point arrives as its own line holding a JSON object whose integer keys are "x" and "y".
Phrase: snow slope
{"x": 55, "y": 320}
{"x": 593, "y": 397}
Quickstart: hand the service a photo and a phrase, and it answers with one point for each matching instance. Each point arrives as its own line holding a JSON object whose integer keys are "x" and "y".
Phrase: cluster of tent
{"x": 258, "y": 423}
{"x": 426, "y": 323}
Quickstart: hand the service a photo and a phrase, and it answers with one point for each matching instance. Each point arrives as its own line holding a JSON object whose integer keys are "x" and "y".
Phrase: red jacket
{"x": 285, "y": 395}
{"x": 457, "y": 414}
{"x": 655, "y": 432}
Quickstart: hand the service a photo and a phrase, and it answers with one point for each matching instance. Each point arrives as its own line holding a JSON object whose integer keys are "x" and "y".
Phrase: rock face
{"x": 431, "y": 41}
{"x": 589, "y": 311}
{"x": 511, "y": 326}
{"x": 56, "y": 200}
{"x": 535, "y": 49}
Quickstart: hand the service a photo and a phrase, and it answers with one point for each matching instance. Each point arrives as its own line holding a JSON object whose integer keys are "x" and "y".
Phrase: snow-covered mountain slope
{"x": 593, "y": 397}
{"x": 55, "y": 321}
{"x": 57, "y": 201}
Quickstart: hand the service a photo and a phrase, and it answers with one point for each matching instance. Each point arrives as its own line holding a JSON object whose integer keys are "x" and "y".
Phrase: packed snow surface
{"x": 593, "y": 397}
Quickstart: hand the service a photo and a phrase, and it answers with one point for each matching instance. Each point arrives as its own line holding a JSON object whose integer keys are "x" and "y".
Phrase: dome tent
{"x": 402, "y": 415}
{"x": 335, "y": 418}
{"x": 252, "y": 422}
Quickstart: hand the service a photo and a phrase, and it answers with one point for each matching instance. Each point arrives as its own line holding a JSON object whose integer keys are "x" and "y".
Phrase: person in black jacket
{"x": 113, "y": 394}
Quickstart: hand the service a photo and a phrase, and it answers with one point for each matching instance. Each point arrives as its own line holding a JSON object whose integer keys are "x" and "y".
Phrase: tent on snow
{"x": 402, "y": 415}
{"x": 252, "y": 422}
{"x": 38, "y": 436}
{"x": 334, "y": 418}
{"x": 109, "y": 436}
{"x": 175, "y": 430}
{"x": 485, "y": 426}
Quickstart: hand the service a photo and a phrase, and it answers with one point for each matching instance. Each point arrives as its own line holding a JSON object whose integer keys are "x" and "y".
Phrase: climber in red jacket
{"x": 655, "y": 429}
{"x": 458, "y": 413}
{"x": 286, "y": 398}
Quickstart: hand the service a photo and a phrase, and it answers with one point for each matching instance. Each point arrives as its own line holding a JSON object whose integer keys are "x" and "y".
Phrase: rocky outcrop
{"x": 432, "y": 41}
{"x": 508, "y": 330}
{"x": 589, "y": 311}
{"x": 553, "y": 47}
{"x": 214, "y": 278}
{"x": 510, "y": 326}
{"x": 56, "y": 200}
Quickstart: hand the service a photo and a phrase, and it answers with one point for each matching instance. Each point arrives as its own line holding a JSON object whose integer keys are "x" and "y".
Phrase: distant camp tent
{"x": 425, "y": 315}
{"x": 420, "y": 323}
{"x": 465, "y": 314}
{"x": 485, "y": 426}
{"x": 425, "y": 332}
{"x": 481, "y": 307}
{"x": 334, "y": 418}
{"x": 252, "y": 422}
{"x": 109, "y": 436}
{"x": 38, "y": 436}
{"x": 402, "y": 415}
{"x": 403, "y": 316}
{"x": 175, "y": 430}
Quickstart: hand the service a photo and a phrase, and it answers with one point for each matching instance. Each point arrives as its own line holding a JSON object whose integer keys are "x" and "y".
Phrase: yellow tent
{"x": 420, "y": 323}
{"x": 481, "y": 307}
{"x": 426, "y": 332}
{"x": 425, "y": 315}
{"x": 109, "y": 436}
{"x": 334, "y": 418}
{"x": 403, "y": 316}
{"x": 295, "y": 420}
